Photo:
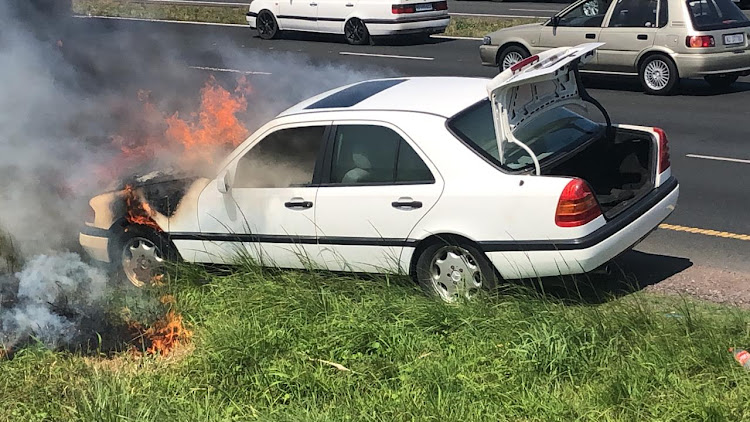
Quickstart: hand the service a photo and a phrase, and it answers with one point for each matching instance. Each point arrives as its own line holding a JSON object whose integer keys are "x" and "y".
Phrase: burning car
{"x": 459, "y": 182}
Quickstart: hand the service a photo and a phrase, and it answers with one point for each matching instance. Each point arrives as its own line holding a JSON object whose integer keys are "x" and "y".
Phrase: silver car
{"x": 661, "y": 41}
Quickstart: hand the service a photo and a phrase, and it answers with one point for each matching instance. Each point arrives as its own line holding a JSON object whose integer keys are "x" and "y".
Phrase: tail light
{"x": 399, "y": 9}
{"x": 577, "y": 205}
{"x": 700, "y": 41}
{"x": 663, "y": 150}
{"x": 441, "y": 5}
{"x": 524, "y": 63}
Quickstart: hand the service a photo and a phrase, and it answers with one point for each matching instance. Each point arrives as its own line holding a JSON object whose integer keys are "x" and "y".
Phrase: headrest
{"x": 361, "y": 161}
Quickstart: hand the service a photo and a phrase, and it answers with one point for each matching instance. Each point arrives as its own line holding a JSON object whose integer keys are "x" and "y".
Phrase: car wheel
{"x": 510, "y": 56}
{"x": 267, "y": 26}
{"x": 721, "y": 81}
{"x": 356, "y": 32}
{"x": 454, "y": 270}
{"x": 658, "y": 75}
{"x": 140, "y": 255}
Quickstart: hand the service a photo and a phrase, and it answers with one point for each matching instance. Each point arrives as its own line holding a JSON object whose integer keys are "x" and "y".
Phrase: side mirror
{"x": 555, "y": 21}
{"x": 222, "y": 182}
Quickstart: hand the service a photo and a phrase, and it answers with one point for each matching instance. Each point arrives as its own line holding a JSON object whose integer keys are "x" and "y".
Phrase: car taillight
{"x": 441, "y": 5}
{"x": 524, "y": 63}
{"x": 663, "y": 150}
{"x": 577, "y": 205}
{"x": 399, "y": 9}
{"x": 700, "y": 41}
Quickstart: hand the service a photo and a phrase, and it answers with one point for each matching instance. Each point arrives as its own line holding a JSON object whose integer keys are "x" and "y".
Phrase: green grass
{"x": 265, "y": 344}
{"x": 460, "y": 26}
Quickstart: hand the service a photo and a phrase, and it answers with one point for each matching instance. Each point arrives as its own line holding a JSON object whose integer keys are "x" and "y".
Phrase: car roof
{"x": 441, "y": 95}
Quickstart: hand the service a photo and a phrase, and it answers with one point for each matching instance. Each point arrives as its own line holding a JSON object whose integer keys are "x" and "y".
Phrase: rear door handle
{"x": 591, "y": 36}
{"x": 406, "y": 204}
{"x": 349, "y": 5}
{"x": 642, "y": 36}
{"x": 298, "y": 203}
{"x": 313, "y": 4}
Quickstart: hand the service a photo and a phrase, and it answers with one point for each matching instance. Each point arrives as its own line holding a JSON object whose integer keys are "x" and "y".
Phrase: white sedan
{"x": 459, "y": 182}
{"x": 358, "y": 20}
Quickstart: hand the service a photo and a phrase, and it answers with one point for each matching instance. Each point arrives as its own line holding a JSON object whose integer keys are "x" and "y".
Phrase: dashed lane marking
{"x": 711, "y": 157}
{"x": 388, "y": 56}
{"x": 219, "y": 69}
{"x": 706, "y": 232}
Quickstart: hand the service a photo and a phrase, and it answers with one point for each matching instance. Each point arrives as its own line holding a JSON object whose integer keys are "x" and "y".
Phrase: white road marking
{"x": 117, "y": 18}
{"x": 534, "y": 10}
{"x": 486, "y": 15}
{"x": 389, "y": 56}
{"x": 219, "y": 69}
{"x": 710, "y": 157}
{"x": 456, "y": 38}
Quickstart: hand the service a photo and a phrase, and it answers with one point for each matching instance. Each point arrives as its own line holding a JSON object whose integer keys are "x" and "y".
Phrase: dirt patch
{"x": 712, "y": 284}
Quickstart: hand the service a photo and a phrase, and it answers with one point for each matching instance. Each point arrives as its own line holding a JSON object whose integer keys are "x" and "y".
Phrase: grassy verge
{"x": 460, "y": 26}
{"x": 307, "y": 347}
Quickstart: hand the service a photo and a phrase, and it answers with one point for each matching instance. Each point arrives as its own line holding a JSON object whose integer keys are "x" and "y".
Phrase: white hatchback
{"x": 459, "y": 182}
{"x": 358, "y": 20}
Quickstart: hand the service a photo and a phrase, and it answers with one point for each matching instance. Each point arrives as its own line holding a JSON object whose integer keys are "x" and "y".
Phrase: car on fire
{"x": 660, "y": 41}
{"x": 458, "y": 182}
{"x": 358, "y": 20}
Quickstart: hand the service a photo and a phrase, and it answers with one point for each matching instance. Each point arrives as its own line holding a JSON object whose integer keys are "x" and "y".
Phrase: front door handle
{"x": 349, "y": 5}
{"x": 642, "y": 37}
{"x": 313, "y": 4}
{"x": 591, "y": 36}
{"x": 406, "y": 204}
{"x": 298, "y": 203}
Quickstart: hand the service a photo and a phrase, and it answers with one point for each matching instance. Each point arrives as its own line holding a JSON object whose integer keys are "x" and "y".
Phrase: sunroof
{"x": 354, "y": 94}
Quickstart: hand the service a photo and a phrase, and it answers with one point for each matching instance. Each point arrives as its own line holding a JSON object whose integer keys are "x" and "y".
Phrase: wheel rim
{"x": 455, "y": 273}
{"x": 591, "y": 8}
{"x": 657, "y": 75}
{"x": 141, "y": 261}
{"x": 355, "y": 31}
{"x": 266, "y": 24}
{"x": 511, "y": 58}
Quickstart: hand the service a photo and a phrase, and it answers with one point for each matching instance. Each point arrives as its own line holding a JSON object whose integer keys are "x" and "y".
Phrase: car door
{"x": 581, "y": 24}
{"x": 631, "y": 29}
{"x": 332, "y": 13}
{"x": 262, "y": 205}
{"x": 376, "y": 186}
{"x": 299, "y": 15}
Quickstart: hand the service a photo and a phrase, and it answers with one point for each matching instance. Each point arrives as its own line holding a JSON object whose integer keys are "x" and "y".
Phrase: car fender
{"x": 655, "y": 49}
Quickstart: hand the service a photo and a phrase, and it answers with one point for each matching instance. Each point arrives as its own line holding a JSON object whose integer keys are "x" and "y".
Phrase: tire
{"x": 442, "y": 267}
{"x": 721, "y": 81}
{"x": 658, "y": 75}
{"x": 356, "y": 32}
{"x": 510, "y": 56}
{"x": 139, "y": 255}
{"x": 268, "y": 27}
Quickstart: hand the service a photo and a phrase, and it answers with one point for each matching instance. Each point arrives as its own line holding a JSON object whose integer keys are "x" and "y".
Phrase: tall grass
{"x": 312, "y": 346}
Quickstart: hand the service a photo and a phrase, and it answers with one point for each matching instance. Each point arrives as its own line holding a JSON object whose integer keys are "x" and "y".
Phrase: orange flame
{"x": 164, "y": 335}
{"x": 138, "y": 211}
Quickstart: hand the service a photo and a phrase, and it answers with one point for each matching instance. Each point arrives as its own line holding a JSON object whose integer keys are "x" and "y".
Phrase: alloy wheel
{"x": 511, "y": 58}
{"x": 142, "y": 261}
{"x": 455, "y": 273}
{"x": 657, "y": 75}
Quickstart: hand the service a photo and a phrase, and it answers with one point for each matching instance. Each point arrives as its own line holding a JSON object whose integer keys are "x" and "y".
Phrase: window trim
{"x": 575, "y": 5}
{"x": 327, "y": 164}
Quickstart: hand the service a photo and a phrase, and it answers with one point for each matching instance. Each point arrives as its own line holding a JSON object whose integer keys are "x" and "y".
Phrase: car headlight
{"x": 487, "y": 40}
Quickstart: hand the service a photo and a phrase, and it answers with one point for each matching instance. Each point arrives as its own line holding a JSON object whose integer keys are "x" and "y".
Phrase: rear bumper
{"x": 694, "y": 65}
{"x": 425, "y": 25}
{"x": 95, "y": 243}
{"x": 250, "y": 17}
{"x": 488, "y": 54}
{"x": 534, "y": 259}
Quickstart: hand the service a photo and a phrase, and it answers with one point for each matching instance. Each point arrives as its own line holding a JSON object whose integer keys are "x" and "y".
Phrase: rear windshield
{"x": 709, "y": 15}
{"x": 551, "y": 133}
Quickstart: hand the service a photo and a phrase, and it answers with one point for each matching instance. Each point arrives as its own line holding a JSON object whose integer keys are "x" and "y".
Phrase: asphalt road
{"x": 715, "y": 194}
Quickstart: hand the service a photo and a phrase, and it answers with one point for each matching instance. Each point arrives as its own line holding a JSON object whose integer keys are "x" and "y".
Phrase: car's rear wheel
{"x": 453, "y": 270}
{"x": 721, "y": 81}
{"x": 658, "y": 75}
{"x": 356, "y": 32}
{"x": 140, "y": 256}
{"x": 510, "y": 56}
{"x": 267, "y": 26}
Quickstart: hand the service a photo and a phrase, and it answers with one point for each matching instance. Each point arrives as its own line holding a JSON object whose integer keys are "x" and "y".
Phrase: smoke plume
{"x": 78, "y": 95}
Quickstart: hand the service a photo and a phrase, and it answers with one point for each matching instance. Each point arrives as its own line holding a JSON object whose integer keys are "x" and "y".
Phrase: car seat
{"x": 361, "y": 170}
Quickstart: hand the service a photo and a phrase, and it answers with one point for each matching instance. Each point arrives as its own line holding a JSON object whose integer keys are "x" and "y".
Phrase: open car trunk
{"x": 619, "y": 168}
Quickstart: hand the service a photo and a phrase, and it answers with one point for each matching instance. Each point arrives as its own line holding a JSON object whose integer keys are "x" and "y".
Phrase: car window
{"x": 282, "y": 159}
{"x": 663, "y": 13}
{"x": 586, "y": 15}
{"x": 634, "y": 14}
{"x": 548, "y": 134}
{"x": 708, "y": 15}
{"x": 370, "y": 154}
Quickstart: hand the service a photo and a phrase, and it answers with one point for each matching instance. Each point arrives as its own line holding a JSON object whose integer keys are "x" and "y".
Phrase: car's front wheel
{"x": 721, "y": 81}
{"x": 140, "y": 256}
{"x": 510, "y": 56}
{"x": 267, "y": 26}
{"x": 658, "y": 75}
{"x": 454, "y": 269}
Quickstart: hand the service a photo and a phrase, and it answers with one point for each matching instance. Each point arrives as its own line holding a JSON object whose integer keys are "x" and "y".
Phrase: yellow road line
{"x": 706, "y": 232}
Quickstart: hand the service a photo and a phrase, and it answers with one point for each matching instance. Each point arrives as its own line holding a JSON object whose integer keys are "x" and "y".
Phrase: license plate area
{"x": 423, "y": 7}
{"x": 734, "y": 39}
